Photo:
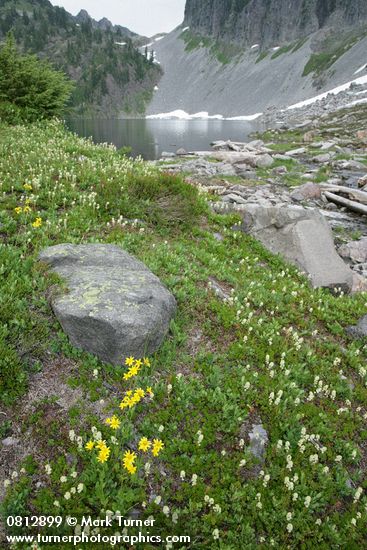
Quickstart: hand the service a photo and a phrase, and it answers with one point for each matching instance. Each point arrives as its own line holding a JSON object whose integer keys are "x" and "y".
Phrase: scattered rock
{"x": 362, "y": 136}
{"x": 296, "y": 152}
{"x": 218, "y": 290}
{"x": 306, "y": 191}
{"x": 355, "y": 250}
{"x": 181, "y": 151}
{"x": 302, "y": 237}
{"x": 252, "y": 159}
{"x": 10, "y": 441}
{"x": 309, "y": 136}
{"x": 322, "y": 159}
{"x": 359, "y": 330}
{"x": 258, "y": 441}
{"x": 232, "y": 197}
{"x": 115, "y": 306}
{"x": 362, "y": 182}
{"x": 280, "y": 170}
{"x": 359, "y": 283}
{"x": 167, "y": 155}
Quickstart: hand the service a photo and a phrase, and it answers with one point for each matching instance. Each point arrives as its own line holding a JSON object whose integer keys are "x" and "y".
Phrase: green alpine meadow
{"x": 245, "y": 426}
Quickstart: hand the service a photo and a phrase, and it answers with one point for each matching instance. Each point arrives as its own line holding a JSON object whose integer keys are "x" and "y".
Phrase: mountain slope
{"x": 210, "y": 66}
{"x": 270, "y": 21}
{"x": 111, "y": 75}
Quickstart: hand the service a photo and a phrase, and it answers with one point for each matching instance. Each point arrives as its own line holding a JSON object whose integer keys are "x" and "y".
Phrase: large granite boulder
{"x": 115, "y": 306}
{"x": 303, "y": 237}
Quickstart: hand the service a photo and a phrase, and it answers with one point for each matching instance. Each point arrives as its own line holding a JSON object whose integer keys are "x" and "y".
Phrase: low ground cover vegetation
{"x": 168, "y": 437}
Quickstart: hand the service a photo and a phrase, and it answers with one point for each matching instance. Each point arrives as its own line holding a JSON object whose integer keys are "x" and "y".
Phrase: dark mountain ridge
{"x": 269, "y": 22}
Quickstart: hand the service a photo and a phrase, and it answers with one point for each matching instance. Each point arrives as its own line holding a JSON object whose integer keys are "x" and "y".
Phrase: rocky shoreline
{"x": 316, "y": 163}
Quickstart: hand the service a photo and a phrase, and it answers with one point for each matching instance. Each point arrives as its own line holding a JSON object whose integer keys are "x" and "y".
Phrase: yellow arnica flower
{"x": 131, "y": 468}
{"x": 18, "y": 210}
{"x": 157, "y": 446}
{"x": 128, "y": 462}
{"x": 124, "y": 403}
{"x": 138, "y": 363}
{"x": 150, "y": 391}
{"x": 26, "y": 209}
{"x": 103, "y": 455}
{"x": 90, "y": 445}
{"x": 101, "y": 445}
{"x": 140, "y": 392}
{"x": 37, "y": 222}
{"x": 144, "y": 444}
{"x": 113, "y": 422}
{"x": 129, "y": 361}
{"x": 27, "y": 187}
{"x": 146, "y": 362}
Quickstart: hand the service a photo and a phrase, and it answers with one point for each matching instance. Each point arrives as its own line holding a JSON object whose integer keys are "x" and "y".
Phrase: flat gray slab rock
{"x": 301, "y": 236}
{"x": 115, "y": 306}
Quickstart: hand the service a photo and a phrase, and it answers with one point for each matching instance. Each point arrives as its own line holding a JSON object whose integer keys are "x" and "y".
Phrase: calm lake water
{"x": 149, "y": 138}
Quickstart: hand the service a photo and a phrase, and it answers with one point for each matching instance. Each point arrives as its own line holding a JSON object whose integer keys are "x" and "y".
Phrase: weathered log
{"x": 351, "y": 205}
{"x": 356, "y": 194}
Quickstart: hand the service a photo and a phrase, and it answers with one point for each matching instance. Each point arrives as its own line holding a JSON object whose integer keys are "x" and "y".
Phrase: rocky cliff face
{"x": 269, "y": 22}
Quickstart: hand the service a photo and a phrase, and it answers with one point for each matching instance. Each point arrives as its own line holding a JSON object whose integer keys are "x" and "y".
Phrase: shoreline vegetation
{"x": 273, "y": 354}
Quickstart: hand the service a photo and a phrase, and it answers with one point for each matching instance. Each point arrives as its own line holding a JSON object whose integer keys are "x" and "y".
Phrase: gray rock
{"x": 355, "y": 250}
{"x": 10, "y": 441}
{"x": 232, "y": 197}
{"x": 306, "y": 191}
{"x": 252, "y": 159}
{"x": 258, "y": 441}
{"x": 280, "y": 170}
{"x": 181, "y": 151}
{"x": 303, "y": 237}
{"x": 322, "y": 159}
{"x": 167, "y": 155}
{"x": 296, "y": 152}
{"x": 359, "y": 330}
{"x": 218, "y": 290}
{"x": 115, "y": 306}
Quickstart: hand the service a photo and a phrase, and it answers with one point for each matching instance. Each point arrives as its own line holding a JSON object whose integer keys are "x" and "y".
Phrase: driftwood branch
{"x": 351, "y": 205}
{"x": 356, "y": 194}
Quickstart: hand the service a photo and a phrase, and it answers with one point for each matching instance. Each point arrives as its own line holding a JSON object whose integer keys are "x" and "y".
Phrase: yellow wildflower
{"x": 133, "y": 371}
{"x": 89, "y": 446}
{"x": 27, "y": 187}
{"x": 146, "y": 362}
{"x": 144, "y": 444}
{"x": 18, "y": 210}
{"x": 140, "y": 392}
{"x": 130, "y": 468}
{"x": 150, "y": 391}
{"x": 103, "y": 455}
{"x": 138, "y": 363}
{"x": 37, "y": 222}
{"x": 101, "y": 445}
{"x": 124, "y": 403}
{"x": 129, "y": 361}
{"x": 113, "y": 422}
{"x": 128, "y": 462}
{"x": 157, "y": 446}
{"x": 28, "y": 201}
{"x": 26, "y": 209}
